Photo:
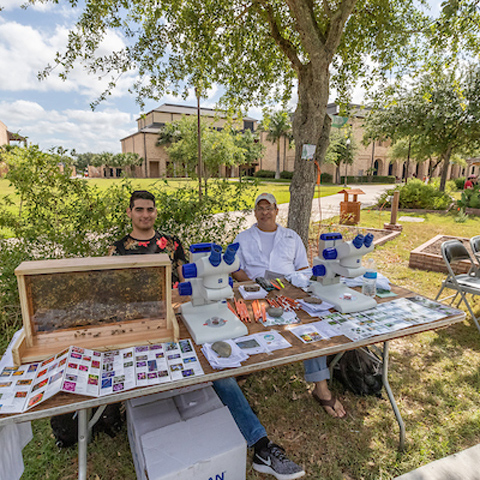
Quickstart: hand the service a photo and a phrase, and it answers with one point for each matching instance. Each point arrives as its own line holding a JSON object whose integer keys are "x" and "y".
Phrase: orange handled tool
{"x": 242, "y": 310}
{"x": 233, "y": 310}
{"x": 264, "y": 312}
{"x": 257, "y": 312}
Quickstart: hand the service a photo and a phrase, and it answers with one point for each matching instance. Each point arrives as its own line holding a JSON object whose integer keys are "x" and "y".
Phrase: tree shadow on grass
{"x": 435, "y": 383}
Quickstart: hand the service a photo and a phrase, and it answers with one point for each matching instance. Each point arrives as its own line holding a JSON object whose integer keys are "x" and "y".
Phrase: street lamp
{"x": 347, "y": 143}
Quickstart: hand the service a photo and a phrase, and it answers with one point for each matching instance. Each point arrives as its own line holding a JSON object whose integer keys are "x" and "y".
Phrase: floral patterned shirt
{"x": 160, "y": 243}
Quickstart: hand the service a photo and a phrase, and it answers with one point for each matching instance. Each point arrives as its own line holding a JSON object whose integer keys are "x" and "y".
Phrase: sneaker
{"x": 272, "y": 459}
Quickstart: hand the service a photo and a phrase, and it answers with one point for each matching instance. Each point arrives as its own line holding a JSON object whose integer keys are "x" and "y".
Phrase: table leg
{"x": 390, "y": 396}
{"x": 82, "y": 443}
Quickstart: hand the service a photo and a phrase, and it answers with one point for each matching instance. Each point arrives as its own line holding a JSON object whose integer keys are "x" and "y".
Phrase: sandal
{"x": 327, "y": 403}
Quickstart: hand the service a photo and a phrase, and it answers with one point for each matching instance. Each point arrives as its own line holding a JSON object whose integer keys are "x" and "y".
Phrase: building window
{"x": 248, "y": 125}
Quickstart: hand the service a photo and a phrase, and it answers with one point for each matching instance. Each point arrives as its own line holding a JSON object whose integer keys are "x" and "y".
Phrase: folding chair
{"x": 475, "y": 246}
{"x": 453, "y": 251}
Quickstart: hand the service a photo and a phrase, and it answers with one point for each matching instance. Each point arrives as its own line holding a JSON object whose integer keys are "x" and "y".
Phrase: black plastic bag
{"x": 65, "y": 427}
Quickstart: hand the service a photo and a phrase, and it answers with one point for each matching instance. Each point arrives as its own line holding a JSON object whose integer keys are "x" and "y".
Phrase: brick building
{"x": 144, "y": 141}
{"x": 373, "y": 157}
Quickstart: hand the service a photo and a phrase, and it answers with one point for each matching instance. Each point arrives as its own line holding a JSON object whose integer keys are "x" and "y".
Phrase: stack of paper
{"x": 262, "y": 342}
{"x": 234, "y": 360}
{"x": 243, "y": 347}
{"x": 315, "y": 309}
{"x": 287, "y": 318}
{"x": 314, "y": 332}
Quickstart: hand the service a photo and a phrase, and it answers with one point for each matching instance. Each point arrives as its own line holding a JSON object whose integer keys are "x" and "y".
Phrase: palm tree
{"x": 276, "y": 125}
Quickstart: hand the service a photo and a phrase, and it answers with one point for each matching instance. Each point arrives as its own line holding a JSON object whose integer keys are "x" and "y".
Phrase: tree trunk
{"x": 311, "y": 125}
{"x": 446, "y": 163}
{"x": 277, "y": 171}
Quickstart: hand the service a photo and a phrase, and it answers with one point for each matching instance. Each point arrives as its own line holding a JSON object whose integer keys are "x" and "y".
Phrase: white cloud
{"x": 10, "y": 5}
{"x": 25, "y": 50}
{"x": 80, "y": 129}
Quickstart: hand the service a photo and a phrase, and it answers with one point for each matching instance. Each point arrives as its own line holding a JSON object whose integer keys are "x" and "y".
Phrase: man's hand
{"x": 240, "y": 276}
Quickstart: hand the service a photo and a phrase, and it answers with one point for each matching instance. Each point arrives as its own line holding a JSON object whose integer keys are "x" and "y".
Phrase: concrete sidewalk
{"x": 459, "y": 466}
{"x": 328, "y": 207}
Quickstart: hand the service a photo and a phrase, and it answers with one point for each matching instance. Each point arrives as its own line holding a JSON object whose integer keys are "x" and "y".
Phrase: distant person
{"x": 470, "y": 182}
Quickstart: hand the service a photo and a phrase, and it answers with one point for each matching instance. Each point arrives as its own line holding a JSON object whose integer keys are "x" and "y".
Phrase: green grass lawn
{"x": 279, "y": 189}
{"x": 434, "y": 376}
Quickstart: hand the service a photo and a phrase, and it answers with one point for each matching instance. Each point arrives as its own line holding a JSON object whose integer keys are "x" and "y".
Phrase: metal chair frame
{"x": 475, "y": 246}
{"x": 454, "y": 251}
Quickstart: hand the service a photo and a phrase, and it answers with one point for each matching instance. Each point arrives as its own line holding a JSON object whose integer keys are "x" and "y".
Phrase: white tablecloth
{"x": 13, "y": 438}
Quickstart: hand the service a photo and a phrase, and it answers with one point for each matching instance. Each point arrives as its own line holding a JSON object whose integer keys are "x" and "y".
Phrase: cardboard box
{"x": 135, "y": 402}
{"x": 190, "y": 436}
{"x": 209, "y": 446}
{"x": 143, "y": 419}
{"x": 197, "y": 402}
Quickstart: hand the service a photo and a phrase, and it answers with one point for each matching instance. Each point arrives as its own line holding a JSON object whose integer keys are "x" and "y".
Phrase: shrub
{"x": 450, "y": 186}
{"x": 326, "y": 178}
{"x": 368, "y": 179}
{"x": 265, "y": 174}
{"x": 183, "y": 214}
{"x": 459, "y": 183}
{"x": 63, "y": 217}
{"x": 376, "y": 179}
{"x": 416, "y": 195}
{"x": 470, "y": 198}
{"x": 286, "y": 175}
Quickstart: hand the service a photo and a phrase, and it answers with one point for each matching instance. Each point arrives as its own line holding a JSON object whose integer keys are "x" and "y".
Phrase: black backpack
{"x": 359, "y": 371}
{"x": 65, "y": 427}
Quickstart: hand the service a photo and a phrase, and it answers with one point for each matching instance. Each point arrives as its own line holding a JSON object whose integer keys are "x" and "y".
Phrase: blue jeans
{"x": 316, "y": 369}
{"x": 232, "y": 397}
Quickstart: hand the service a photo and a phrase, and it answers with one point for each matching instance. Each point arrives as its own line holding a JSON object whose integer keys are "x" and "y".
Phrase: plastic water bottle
{"x": 369, "y": 287}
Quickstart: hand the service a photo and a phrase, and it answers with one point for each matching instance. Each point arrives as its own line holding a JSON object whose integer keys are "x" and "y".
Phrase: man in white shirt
{"x": 269, "y": 246}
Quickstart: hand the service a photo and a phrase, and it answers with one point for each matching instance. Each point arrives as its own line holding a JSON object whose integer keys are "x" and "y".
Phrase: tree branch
{"x": 285, "y": 45}
{"x": 326, "y": 8}
{"x": 307, "y": 26}
{"x": 338, "y": 19}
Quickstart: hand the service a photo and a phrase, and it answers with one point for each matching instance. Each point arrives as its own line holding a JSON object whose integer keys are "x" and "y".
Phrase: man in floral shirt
{"x": 144, "y": 239}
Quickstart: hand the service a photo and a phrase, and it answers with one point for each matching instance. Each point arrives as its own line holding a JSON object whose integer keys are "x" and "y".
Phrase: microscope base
{"x": 343, "y": 298}
{"x": 211, "y": 323}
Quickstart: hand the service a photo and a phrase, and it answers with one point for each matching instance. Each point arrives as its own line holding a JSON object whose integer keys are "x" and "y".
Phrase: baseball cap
{"x": 266, "y": 196}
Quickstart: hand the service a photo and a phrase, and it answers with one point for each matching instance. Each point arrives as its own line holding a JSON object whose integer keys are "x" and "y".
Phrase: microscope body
{"x": 209, "y": 274}
{"x": 337, "y": 259}
{"x": 208, "y": 284}
{"x": 340, "y": 258}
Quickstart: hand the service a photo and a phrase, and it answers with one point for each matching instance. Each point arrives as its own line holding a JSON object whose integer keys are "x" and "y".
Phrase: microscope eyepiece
{"x": 216, "y": 255}
{"x": 358, "y": 241}
{"x": 368, "y": 239}
{"x": 230, "y": 252}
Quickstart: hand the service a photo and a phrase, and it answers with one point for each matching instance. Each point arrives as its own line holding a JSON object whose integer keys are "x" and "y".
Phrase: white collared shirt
{"x": 287, "y": 255}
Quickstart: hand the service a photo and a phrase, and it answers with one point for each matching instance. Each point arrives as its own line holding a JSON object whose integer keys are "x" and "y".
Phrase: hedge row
{"x": 328, "y": 178}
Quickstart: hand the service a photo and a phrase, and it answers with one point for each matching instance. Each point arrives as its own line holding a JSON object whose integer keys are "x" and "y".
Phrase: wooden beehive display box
{"x": 101, "y": 303}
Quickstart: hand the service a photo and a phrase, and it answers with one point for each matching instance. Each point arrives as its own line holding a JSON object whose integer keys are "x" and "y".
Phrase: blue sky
{"x": 54, "y": 112}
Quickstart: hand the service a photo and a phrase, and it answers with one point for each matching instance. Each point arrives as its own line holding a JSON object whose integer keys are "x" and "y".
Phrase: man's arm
{"x": 240, "y": 276}
{"x": 180, "y": 273}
